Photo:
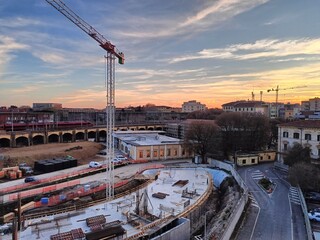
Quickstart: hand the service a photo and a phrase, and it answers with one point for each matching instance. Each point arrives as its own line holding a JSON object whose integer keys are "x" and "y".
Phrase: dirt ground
{"x": 83, "y": 151}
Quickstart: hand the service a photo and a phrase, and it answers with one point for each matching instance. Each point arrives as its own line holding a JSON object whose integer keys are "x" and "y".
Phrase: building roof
{"x": 145, "y": 138}
{"x": 302, "y": 124}
{"x": 243, "y": 104}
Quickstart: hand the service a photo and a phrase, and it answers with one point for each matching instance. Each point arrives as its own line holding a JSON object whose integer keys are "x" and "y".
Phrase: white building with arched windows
{"x": 306, "y": 133}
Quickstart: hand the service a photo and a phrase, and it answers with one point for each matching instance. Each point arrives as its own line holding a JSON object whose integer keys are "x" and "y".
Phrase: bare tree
{"x": 201, "y": 137}
{"x": 306, "y": 175}
{"x": 243, "y": 131}
{"x": 297, "y": 154}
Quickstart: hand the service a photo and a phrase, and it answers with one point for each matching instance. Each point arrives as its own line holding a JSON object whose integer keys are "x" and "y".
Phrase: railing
{"x": 305, "y": 215}
{"x": 230, "y": 224}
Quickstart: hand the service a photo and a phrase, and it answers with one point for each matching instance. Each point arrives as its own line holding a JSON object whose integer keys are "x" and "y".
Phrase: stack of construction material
{"x": 11, "y": 173}
{"x": 75, "y": 234}
{"x": 51, "y": 165}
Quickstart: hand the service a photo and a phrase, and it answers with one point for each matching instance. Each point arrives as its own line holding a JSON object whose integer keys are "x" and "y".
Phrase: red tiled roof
{"x": 302, "y": 124}
{"x": 243, "y": 104}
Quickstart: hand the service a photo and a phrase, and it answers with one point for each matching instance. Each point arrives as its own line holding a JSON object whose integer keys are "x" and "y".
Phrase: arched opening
{"x": 79, "y": 136}
{"x": 92, "y": 135}
{"x": 150, "y": 128}
{"x": 53, "y": 138}
{"x": 132, "y": 129}
{"x": 38, "y": 139}
{"x": 159, "y": 128}
{"x": 102, "y": 136}
{"x": 142, "y": 128}
{"x": 22, "y": 142}
{"x": 67, "y": 137}
{"x": 4, "y": 142}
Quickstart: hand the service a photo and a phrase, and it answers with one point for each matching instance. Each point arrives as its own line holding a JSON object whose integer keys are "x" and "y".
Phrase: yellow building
{"x": 244, "y": 159}
{"x": 149, "y": 145}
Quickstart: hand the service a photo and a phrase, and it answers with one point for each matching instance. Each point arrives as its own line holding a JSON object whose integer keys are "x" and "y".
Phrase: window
{"x": 140, "y": 154}
{"x": 155, "y": 153}
{"x": 175, "y": 152}
{"x": 253, "y": 160}
{"x": 285, "y": 134}
{"x": 161, "y": 153}
{"x": 183, "y": 152}
{"x": 244, "y": 161}
{"x": 169, "y": 152}
{"x": 148, "y": 153}
{"x": 285, "y": 146}
{"x": 269, "y": 157}
{"x": 307, "y": 136}
{"x": 318, "y": 138}
{"x": 296, "y": 135}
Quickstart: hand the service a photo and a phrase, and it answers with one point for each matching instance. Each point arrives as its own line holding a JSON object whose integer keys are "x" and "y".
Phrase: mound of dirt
{"x": 83, "y": 151}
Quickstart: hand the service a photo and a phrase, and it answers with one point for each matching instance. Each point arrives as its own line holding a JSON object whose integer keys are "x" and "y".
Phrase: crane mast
{"x": 112, "y": 53}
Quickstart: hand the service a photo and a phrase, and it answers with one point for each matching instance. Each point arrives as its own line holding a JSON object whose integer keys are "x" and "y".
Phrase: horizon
{"x": 214, "y": 52}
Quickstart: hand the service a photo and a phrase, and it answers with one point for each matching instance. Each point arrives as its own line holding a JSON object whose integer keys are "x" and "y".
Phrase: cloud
{"x": 8, "y": 48}
{"x": 18, "y": 22}
{"x": 265, "y": 48}
{"x": 211, "y": 15}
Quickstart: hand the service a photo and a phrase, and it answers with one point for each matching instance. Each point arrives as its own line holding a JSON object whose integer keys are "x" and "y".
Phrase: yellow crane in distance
{"x": 277, "y": 89}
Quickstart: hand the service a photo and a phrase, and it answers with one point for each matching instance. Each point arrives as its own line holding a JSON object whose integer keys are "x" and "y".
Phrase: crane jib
{"x": 87, "y": 28}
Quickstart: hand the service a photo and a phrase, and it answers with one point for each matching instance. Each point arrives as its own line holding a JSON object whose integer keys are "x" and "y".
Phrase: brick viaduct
{"x": 29, "y": 138}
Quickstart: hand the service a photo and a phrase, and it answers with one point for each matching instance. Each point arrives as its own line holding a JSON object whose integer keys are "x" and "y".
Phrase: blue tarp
{"x": 218, "y": 176}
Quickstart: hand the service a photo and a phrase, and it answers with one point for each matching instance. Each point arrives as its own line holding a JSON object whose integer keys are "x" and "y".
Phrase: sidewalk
{"x": 247, "y": 225}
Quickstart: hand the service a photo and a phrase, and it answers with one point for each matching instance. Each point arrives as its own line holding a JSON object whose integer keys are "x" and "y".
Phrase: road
{"x": 120, "y": 173}
{"x": 277, "y": 215}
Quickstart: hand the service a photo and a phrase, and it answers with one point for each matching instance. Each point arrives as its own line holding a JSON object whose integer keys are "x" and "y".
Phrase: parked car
{"x": 30, "y": 179}
{"x": 122, "y": 158}
{"x": 312, "y": 197}
{"x": 102, "y": 152}
{"x": 26, "y": 170}
{"x": 94, "y": 164}
{"x": 314, "y": 216}
{"x": 315, "y": 210}
{"x": 116, "y": 161}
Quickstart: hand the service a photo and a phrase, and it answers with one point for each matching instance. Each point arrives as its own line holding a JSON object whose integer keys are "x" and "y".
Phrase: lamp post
{"x": 11, "y": 120}
{"x": 205, "y": 226}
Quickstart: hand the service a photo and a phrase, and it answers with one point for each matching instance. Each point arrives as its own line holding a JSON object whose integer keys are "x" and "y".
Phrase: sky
{"x": 213, "y": 52}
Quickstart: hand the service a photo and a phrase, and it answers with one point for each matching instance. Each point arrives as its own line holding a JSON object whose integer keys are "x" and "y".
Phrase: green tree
{"x": 297, "y": 154}
{"x": 201, "y": 137}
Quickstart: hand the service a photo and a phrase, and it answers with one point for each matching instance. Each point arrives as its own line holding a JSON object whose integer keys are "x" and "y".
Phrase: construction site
{"x": 156, "y": 209}
{"x": 154, "y": 201}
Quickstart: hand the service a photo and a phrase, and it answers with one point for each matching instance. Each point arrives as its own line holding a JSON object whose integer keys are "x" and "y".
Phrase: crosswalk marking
{"x": 294, "y": 196}
{"x": 257, "y": 175}
{"x": 253, "y": 200}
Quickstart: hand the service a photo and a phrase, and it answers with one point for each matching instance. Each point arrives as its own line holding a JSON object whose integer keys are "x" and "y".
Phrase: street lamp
{"x": 11, "y": 120}
{"x": 205, "y": 226}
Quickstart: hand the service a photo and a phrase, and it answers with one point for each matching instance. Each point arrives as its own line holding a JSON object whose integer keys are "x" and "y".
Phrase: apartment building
{"x": 305, "y": 132}
{"x": 313, "y": 104}
{"x": 246, "y": 106}
{"x": 192, "y": 106}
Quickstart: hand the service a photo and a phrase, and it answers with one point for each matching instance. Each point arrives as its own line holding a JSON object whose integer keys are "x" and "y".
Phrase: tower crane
{"x": 277, "y": 89}
{"x": 112, "y": 53}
